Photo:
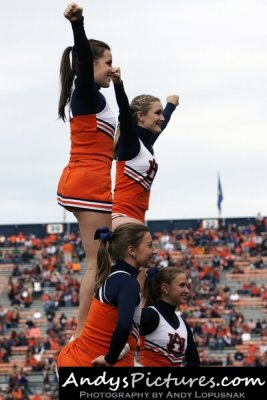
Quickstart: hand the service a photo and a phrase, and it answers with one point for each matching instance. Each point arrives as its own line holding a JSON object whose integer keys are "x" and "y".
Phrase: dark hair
{"x": 152, "y": 287}
{"x": 129, "y": 234}
{"x": 68, "y": 70}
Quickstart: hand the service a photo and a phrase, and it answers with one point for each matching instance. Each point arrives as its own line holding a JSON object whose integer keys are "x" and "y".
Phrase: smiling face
{"x": 176, "y": 292}
{"x": 103, "y": 69}
{"x": 143, "y": 254}
{"x": 152, "y": 120}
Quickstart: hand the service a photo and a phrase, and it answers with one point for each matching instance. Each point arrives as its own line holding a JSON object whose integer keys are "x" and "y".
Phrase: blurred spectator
{"x": 257, "y": 264}
{"x": 67, "y": 250}
{"x": 239, "y": 356}
{"x": 259, "y": 223}
{"x": 229, "y": 360}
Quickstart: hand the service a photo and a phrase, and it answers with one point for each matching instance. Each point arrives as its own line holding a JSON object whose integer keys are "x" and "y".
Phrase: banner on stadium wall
{"x": 54, "y": 228}
{"x": 210, "y": 223}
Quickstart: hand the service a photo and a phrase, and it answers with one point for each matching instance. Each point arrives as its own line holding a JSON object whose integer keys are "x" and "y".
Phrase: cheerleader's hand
{"x": 73, "y": 12}
{"x": 174, "y": 99}
{"x": 100, "y": 362}
{"x": 116, "y": 75}
{"x": 124, "y": 351}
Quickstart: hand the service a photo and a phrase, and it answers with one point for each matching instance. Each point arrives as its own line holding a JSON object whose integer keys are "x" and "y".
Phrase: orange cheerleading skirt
{"x": 86, "y": 184}
{"x": 95, "y": 339}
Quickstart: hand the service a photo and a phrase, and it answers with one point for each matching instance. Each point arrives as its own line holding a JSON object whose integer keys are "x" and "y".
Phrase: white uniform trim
{"x": 167, "y": 341}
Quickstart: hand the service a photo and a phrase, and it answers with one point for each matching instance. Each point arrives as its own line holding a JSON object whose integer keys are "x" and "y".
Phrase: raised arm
{"x": 128, "y": 144}
{"x": 73, "y": 12}
{"x": 172, "y": 103}
{"x": 85, "y": 86}
{"x": 125, "y": 116}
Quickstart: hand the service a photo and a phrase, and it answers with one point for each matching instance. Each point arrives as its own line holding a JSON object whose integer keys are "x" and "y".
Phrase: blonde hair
{"x": 142, "y": 103}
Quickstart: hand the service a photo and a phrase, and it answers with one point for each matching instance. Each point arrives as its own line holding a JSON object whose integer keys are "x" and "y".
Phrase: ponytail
{"x": 68, "y": 70}
{"x": 103, "y": 264}
{"x": 66, "y": 81}
{"x": 152, "y": 285}
{"x": 104, "y": 235}
{"x": 114, "y": 246}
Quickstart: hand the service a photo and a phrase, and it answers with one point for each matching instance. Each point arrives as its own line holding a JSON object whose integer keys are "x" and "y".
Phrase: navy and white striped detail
{"x": 160, "y": 350}
{"x": 89, "y": 205}
{"x": 135, "y": 330}
{"x": 106, "y": 128}
{"x": 138, "y": 178}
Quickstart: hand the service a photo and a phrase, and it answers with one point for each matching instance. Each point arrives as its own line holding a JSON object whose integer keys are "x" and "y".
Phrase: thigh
{"x": 124, "y": 220}
{"x": 89, "y": 222}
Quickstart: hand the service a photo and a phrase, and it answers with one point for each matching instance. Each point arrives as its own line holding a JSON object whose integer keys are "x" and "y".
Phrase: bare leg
{"x": 89, "y": 222}
{"x": 123, "y": 220}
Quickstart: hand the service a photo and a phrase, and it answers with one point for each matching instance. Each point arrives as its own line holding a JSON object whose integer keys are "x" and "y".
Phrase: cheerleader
{"x": 141, "y": 123}
{"x": 166, "y": 339}
{"x": 85, "y": 184}
{"x": 111, "y": 330}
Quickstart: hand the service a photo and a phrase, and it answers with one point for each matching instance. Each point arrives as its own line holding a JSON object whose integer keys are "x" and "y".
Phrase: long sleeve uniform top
{"x": 129, "y": 144}
{"x": 122, "y": 290}
{"x": 86, "y": 98}
{"x": 86, "y": 181}
{"x": 136, "y": 164}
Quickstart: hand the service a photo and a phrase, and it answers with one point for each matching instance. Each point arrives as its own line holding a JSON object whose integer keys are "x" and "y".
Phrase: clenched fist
{"x": 73, "y": 12}
{"x": 173, "y": 98}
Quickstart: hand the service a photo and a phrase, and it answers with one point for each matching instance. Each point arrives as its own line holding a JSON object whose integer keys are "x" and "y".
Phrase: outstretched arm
{"x": 173, "y": 99}
{"x": 73, "y": 12}
{"x": 86, "y": 89}
{"x": 128, "y": 144}
{"x": 125, "y": 116}
{"x": 172, "y": 103}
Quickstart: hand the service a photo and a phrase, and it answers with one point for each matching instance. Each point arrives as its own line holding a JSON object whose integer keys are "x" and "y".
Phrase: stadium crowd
{"x": 48, "y": 270}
